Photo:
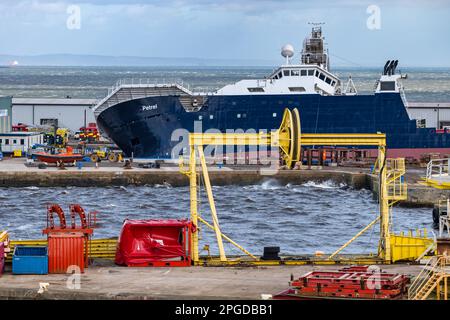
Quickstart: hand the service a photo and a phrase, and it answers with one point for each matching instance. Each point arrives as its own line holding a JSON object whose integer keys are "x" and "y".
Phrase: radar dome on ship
{"x": 287, "y": 51}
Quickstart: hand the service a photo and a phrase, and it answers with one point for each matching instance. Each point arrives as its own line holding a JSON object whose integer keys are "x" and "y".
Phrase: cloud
{"x": 222, "y": 28}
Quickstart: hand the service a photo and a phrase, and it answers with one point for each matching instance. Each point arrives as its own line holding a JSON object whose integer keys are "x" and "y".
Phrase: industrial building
{"x": 66, "y": 113}
{"x": 15, "y": 141}
{"x": 5, "y": 114}
{"x": 430, "y": 114}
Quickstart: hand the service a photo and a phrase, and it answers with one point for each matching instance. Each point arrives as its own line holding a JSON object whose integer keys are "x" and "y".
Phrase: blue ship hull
{"x": 147, "y": 132}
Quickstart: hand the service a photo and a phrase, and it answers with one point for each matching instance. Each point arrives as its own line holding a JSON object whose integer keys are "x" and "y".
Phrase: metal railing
{"x": 438, "y": 168}
{"x": 147, "y": 82}
{"x": 444, "y": 221}
{"x": 150, "y": 83}
{"x": 427, "y": 279}
{"x": 396, "y": 186}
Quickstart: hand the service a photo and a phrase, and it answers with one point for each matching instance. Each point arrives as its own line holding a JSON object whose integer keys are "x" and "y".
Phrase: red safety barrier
{"x": 155, "y": 243}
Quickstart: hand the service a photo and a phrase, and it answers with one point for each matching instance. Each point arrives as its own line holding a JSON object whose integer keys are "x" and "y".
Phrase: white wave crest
{"x": 328, "y": 184}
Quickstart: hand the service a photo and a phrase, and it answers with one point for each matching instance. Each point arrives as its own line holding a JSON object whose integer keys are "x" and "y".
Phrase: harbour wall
{"x": 418, "y": 195}
{"x": 174, "y": 178}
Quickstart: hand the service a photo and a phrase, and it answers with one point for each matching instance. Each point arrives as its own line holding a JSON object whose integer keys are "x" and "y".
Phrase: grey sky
{"x": 415, "y": 32}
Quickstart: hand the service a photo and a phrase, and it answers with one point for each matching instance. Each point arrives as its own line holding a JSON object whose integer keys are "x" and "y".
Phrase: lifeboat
{"x": 64, "y": 157}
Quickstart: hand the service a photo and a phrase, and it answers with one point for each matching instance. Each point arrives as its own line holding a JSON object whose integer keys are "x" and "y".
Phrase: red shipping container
{"x": 66, "y": 250}
{"x": 2, "y": 257}
{"x": 154, "y": 243}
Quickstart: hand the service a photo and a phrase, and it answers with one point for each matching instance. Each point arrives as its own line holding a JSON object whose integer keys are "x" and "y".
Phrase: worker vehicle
{"x": 106, "y": 154}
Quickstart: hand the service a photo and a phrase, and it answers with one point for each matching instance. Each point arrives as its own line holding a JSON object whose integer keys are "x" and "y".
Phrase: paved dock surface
{"x": 112, "y": 282}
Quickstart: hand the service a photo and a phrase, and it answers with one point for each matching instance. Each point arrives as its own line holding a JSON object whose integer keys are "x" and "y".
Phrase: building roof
{"x": 20, "y": 134}
{"x": 56, "y": 102}
{"x": 425, "y": 105}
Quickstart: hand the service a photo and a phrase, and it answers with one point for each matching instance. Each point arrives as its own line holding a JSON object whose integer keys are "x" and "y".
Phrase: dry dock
{"x": 110, "y": 282}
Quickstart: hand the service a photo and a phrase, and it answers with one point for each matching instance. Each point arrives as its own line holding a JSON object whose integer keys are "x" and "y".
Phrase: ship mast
{"x": 314, "y": 51}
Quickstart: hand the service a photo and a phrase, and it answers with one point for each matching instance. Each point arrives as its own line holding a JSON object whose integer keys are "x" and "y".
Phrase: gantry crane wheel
{"x": 289, "y": 138}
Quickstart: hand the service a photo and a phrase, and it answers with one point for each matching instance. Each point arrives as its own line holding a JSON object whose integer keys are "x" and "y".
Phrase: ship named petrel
{"x": 141, "y": 117}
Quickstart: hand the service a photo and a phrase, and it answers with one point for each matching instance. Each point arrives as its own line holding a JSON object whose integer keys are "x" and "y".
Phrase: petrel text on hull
{"x": 140, "y": 118}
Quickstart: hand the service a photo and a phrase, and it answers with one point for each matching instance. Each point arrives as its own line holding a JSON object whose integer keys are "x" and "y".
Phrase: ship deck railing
{"x": 438, "y": 169}
{"x": 136, "y": 83}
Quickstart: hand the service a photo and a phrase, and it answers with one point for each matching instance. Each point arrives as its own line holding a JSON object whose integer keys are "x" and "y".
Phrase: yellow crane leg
{"x": 212, "y": 205}
{"x": 384, "y": 250}
{"x": 354, "y": 238}
{"x": 194, "y": 208}
{"x": 228, "y": 239}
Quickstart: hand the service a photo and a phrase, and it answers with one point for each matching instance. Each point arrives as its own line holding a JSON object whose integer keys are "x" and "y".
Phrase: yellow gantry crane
{"x": 289, "y": 139}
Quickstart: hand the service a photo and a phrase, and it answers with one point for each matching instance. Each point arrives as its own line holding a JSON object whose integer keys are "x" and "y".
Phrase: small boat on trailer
{"x": 59, "y": 158}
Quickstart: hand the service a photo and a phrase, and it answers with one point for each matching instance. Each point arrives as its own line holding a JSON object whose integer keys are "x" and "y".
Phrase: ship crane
{"x": 289, "y": 139}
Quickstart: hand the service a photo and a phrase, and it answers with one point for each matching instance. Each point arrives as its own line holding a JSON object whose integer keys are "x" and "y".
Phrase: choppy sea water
{"x": 422, "y": 85}
{"x": 299, "y": 218}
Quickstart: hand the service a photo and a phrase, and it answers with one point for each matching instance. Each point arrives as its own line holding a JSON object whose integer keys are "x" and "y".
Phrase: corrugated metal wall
{"x": 65, "y": 250}
{"x": 5, "y": 114}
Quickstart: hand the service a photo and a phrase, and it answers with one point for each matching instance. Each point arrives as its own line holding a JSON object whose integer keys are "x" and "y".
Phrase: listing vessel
{"x": 148, "y": 120}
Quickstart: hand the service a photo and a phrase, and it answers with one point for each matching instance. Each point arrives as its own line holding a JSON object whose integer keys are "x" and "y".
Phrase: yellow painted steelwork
{"x": 409, "y": 247}
{"x": 442, "y": 185}
{"x": 98, "y": 248}
{"x": 289, "y": 139}
{"x": 4, "y": 236}
{"x": 431, "y": 277}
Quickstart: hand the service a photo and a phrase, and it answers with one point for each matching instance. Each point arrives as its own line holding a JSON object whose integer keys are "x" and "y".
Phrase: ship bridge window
{"x": 328, "y": 80}
{"x": 280, "y": 75}
{"x": 303, "y": 73}
{"x": 387, "y": 86}
{"x": 286, "y": 73}
{"x": 297, "y": 89}
{"x": 333, "y": 83}
{"x": 257, "y": 89}
{"x": 310, "y": 72}
{"x": 317, "y": 73}
{"x": 322, "y": 77}
{"x": 295, "y": 73}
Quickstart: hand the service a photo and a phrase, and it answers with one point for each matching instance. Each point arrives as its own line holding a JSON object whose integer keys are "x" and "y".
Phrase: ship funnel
{"x": 385, "y": 70}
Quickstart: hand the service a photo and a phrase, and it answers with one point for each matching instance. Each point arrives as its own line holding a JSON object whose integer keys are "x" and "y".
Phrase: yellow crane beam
{"x": 289, "y": 139}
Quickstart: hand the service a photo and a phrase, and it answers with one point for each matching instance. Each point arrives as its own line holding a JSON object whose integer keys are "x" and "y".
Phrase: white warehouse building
{"x": 66, "y": 113}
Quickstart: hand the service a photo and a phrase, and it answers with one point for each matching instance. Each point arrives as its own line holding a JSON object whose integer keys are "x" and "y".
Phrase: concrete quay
{"x": 213, "y": 283}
